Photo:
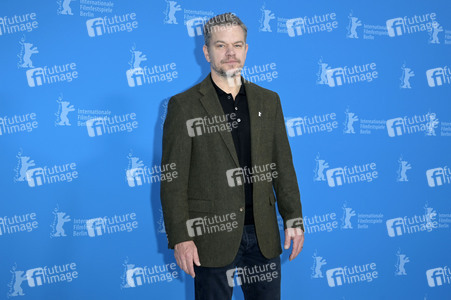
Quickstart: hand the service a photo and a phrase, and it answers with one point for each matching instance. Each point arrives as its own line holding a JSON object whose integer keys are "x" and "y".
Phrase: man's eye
{"x": 238, "y": 46}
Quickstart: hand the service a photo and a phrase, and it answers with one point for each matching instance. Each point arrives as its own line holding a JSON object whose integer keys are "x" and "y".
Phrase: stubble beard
{"x": 227, "y": 74}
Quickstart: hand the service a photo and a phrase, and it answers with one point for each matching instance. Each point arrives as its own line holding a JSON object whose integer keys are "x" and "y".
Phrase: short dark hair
{"x": 227, "y": 19}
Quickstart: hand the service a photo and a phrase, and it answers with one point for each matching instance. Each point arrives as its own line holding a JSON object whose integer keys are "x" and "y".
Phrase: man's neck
{"x": 230, "y": 86}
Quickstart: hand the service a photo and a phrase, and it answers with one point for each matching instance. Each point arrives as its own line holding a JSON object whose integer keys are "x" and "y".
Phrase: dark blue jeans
{"x": 258, "y": 276}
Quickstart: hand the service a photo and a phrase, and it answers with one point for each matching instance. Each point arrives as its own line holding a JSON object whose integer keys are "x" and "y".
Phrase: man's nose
{"x": 230, "y": 50}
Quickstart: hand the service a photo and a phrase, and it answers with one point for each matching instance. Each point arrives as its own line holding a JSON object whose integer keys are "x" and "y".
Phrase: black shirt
{"x": 241, "y": 138}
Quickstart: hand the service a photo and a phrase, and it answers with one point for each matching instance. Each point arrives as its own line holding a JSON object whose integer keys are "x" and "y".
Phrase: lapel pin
{"x": 259, "y": 114}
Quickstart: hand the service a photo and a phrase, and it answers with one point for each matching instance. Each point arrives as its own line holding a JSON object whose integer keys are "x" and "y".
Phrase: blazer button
{"x": 241, "y": 208}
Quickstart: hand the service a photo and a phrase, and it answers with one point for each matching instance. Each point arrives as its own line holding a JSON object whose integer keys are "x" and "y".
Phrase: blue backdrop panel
{"x": 365, "y": 88}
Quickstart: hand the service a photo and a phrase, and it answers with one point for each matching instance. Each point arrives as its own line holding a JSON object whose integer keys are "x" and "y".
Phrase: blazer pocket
{"x": 200, "y": 205}
{"x": 272, "y": 199}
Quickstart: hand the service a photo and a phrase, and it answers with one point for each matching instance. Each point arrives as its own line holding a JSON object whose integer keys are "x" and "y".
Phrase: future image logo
{"x": 44, "y": 75}
{"x": 138, "y": 174}
{"x": 45, "y": 275}
{"x": 294, "y": 26}
{"x": 438, "y": 176}
{"x": 409, "y": 225}
{"x": 408, "y": 25}
{"x": 345, "y": 75}
{"x": 18, "y": 223}
{"x": 138, "y": 75}
{"x": 318, "y": 223}
{"x": 111, "y": 25}
{"x": 110, "y": 125}
{"x": 256, "y": 173}
{"x": 195, "y": 27}
{"x": 134, "y": 276}
{"x": 348, "y": 175}
{"x": 210, "y": 225}
{"x": 41, "y": 276}
{"x": 311, "y": 124}
{"x": 351, "y": 275}
{"x": 95, "y": 227}
{"x": 18, "y": 23}
{"x": 252, "y": 274}
{"x": 395, "y": 27}
{"x": 426, "y": 123}
{"x": 438, "y": 76}
{"x": 311, "y": 24}
{"x": 39, "y": 176}
{"x": 438, "y": 276}
{"x": 211, "y": 124}
{"x": 113, "y": 224}
{"x": 51, "y": 75}
{"x": 335, "y": 77}
{"x": 235, "y": 177}
{"x": 18, "y": 123}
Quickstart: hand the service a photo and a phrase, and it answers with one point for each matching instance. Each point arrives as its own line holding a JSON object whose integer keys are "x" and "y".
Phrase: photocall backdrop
{"x": 84, "y": 86}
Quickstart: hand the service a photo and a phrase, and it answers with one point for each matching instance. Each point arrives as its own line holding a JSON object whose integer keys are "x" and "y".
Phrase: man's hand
{"x": 297, "y": 235}
{"x": 185, "y": 254}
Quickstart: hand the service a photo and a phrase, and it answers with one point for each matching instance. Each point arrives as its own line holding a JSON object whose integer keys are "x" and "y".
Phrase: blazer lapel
{"x": 212, "y": 105}
{"x": 255, "y": 115}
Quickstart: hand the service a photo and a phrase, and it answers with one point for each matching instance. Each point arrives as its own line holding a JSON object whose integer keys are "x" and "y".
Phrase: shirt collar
{"x": 220, "y": 92}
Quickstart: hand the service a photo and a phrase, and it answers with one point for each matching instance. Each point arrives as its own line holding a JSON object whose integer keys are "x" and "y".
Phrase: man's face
{"x": 227, "y": 50}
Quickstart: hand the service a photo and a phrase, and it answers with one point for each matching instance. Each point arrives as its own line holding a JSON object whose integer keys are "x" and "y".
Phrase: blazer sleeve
{"x": 285, "y": 184}
{"x": 174, "y": 194}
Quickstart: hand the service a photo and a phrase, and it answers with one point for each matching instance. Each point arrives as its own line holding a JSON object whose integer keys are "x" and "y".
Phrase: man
{"x": 228, "y": 142}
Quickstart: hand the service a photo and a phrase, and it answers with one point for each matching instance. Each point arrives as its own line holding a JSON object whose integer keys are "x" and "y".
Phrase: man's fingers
{"x": 181, "y": 262}
{"x": 185, "y": 254}
{"x": 178, "y": 262}
{"x": 189, "y": 264}
{"x": 298, "y": 244}
{"x": 196, "y": 257}
{"x": 296, "y": 248}
{"x": 301, "y": 244}
{"x": 287, "y": 240}
{"x": 186, "y": 263}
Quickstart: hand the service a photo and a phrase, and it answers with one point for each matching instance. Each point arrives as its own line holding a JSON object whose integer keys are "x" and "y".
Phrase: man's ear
{"x": 207, "y": 56}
